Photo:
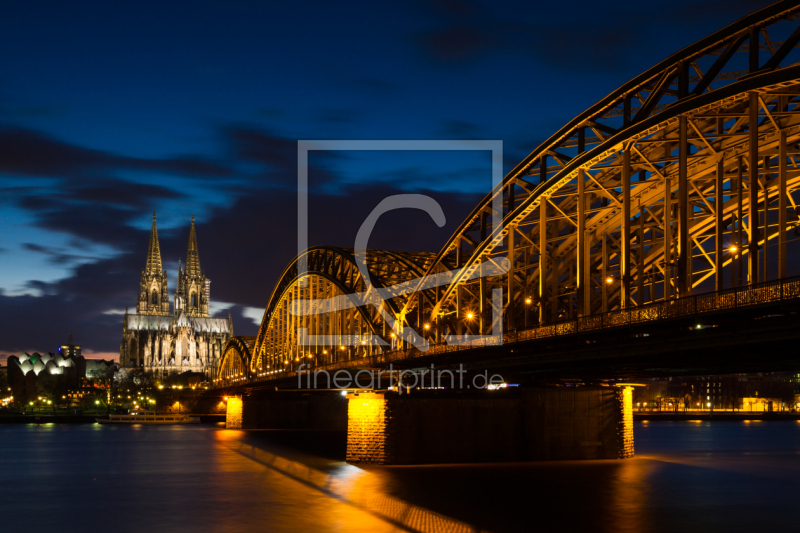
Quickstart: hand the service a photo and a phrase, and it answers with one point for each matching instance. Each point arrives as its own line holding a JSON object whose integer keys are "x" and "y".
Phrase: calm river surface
{"x": 687, "y": 476}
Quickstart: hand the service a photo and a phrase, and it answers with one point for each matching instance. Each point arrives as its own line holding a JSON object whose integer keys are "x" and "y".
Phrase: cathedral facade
{"x": 187, "y": 340}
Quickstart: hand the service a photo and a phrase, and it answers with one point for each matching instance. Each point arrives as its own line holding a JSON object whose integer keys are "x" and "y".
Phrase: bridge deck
{"x": 666, "y": 332}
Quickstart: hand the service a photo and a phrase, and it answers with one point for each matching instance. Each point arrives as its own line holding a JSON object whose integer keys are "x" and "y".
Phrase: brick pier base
{"x": 512, "y": 425}
{"x": 233, "y": 416}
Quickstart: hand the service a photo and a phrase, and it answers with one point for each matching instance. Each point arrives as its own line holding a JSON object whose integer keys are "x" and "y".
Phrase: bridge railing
{"x": 738, "y": 297}
{"x": 690, "y": 306}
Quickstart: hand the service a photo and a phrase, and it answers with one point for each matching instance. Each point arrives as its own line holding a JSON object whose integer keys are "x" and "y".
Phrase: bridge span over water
{"x": 667, "y": 208}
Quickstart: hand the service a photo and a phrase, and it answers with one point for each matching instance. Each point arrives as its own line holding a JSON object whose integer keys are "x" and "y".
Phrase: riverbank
{"x": 81, "y": 419}
{"x": 719, "y": 416}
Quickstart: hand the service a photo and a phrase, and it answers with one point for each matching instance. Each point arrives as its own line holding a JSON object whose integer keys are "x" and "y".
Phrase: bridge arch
{"x": 235, "y": 360}
{"x": 345, "y": 330}
{"x": 619, "y": 207}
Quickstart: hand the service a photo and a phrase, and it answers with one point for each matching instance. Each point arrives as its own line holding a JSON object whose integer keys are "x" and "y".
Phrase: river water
{"x": 687, "y": 476}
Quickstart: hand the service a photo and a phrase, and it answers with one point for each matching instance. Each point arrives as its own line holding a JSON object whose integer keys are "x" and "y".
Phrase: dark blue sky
{"x": 110, "y": 110}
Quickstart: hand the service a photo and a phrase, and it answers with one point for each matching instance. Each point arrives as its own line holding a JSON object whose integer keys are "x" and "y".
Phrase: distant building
{"x": 5, "y": 390}
{"x": 66, "y": 369}
{"x": 189, "y": 340}
{"x": 69, "y": 349}
{"x": 769, "y": 391}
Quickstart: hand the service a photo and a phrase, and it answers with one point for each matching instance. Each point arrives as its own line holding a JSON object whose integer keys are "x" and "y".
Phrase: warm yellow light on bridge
{"x": 610, "y": 279}
{"x": 733, "y": 248}
{"x": 341, "y": 347}
{"x": 392, "y": 335}
{"x": 528, "y": 300}
{"x": 427, "y": 326}
{"x": 325, "y": 352}
{"x": 470, "y": 316}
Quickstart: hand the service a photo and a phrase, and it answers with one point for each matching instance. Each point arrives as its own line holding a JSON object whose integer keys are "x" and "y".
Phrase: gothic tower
{"x": 193, "y": 292}
{"x": 153, "y": 295}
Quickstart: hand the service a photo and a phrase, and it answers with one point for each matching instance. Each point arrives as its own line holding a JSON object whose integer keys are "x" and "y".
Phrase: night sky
{"x": 111, "y": 110}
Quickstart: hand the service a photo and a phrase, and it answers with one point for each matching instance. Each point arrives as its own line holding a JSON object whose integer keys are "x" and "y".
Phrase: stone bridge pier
{"x": 432, "y": 427}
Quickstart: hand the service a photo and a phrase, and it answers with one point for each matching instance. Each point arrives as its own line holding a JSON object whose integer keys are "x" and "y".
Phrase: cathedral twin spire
{"x": 193, "y": 289}
{"x": 153, "y": 291}
{"x": 193, "y": 292}
{"x": 153, "y": 251}
{"x": 192, "y": 257}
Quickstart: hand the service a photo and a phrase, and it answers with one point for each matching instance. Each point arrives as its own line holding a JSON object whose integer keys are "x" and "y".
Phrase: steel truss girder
{"x": 605, "y": 184}
{"x": 331, "y": 273}
{"x": 471, "y": 245}
{"x": 235, "y": 359}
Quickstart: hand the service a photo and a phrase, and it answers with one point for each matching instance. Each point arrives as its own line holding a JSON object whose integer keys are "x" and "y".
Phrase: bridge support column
{"x": 233, "y": 416}
{"x": 625, "y": 422}
{"x": 428, "y": 427}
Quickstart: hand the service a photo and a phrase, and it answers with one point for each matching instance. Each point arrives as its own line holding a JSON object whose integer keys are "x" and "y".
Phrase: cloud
{"x": 77, "y": 303}
{"x": 587, "y": 36}
{"x": 57, "y": 256}
{"x": 256, "y": 314}
{"x": 272, "y": 151}
{"x": 244, "y": 244}
{"x": 27, "y": 152}
{"x": 275, "y": 158}
{"x": 96, "y": 222}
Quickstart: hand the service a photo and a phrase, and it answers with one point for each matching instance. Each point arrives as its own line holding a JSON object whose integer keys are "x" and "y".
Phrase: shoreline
{"x": 720, "y": 416}
{"x": 83, "y": 419}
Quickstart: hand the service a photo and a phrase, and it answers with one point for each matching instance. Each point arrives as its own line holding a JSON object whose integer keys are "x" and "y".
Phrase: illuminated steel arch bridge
{"x": 677, "y": 190}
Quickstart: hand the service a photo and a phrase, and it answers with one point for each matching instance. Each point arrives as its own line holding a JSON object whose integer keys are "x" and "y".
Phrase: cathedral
{"x": 189, "y": 339}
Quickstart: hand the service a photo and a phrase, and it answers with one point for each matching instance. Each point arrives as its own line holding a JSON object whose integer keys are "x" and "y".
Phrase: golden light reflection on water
{"x": 362, "y": 493}
{"x": 228, "y": 434}
{"x": 629, "y": 494}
